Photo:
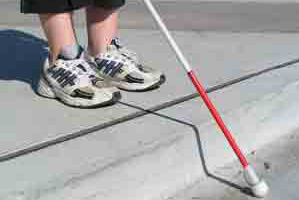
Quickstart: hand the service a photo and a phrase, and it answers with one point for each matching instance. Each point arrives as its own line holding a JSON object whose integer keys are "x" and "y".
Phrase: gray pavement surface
{"x": 189, "y": 15}
{"x": 160, "y": 149}
{"x": 277, "y": 163}
{"x": 236, "y": 56}
{"x": 154, "y": 156}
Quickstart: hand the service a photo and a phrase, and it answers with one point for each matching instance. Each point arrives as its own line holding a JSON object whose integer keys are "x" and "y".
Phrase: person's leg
{"x": 77, "y": 86}
{"x": 59, "y": 32}
{"x": 66, "y": 75}
{"x": 101, "y": 27}
{"x": 127, "y": 74}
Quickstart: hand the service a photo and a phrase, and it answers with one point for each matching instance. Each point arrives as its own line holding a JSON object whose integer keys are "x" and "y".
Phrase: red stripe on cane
{"x": 218, "y": 119}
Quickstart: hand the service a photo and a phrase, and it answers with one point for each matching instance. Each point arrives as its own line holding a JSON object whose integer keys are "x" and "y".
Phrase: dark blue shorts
{"x": 62, "y": 6}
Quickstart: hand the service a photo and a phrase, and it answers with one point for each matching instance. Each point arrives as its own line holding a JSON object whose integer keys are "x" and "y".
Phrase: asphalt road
{"x": 277, "y": 163}
{"x": 188, "y": 15}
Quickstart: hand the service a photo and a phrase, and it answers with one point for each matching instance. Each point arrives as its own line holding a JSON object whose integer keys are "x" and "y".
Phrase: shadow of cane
{"x": 245, "y": 190}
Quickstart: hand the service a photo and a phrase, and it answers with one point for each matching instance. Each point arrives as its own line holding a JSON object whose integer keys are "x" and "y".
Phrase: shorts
{"x": 62, "y": 6}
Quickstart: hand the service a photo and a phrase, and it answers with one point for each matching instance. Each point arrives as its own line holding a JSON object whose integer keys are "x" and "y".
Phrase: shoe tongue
{"x": 110, "y": 49}
{"x": 68, "y": 54}
{"x": 117, "y": 43}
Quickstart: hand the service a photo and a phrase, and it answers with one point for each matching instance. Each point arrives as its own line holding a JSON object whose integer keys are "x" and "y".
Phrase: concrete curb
{"x": 113, "y": 167}
{"x": 174, "y": 163}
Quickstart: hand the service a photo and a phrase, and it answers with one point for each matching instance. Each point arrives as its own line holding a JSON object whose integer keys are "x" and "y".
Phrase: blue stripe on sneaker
{"x": 109, "y": 67}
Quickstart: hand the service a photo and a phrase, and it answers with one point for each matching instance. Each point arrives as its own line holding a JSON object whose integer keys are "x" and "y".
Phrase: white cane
{"x": 258, "y": 187}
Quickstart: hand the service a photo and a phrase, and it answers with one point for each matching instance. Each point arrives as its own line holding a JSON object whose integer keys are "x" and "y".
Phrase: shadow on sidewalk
{"x": 244, "y": 190}
{"x": 22, "y": 56}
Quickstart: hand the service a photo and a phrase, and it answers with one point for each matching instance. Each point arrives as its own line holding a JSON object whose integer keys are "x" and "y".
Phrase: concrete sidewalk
{"x": 153, "y": 156}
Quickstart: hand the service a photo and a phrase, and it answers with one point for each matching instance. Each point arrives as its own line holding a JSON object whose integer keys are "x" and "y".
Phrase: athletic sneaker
{"x": 75, "y": 83}
{"x": 124, "y": 50}
{"x": 124, "y": 71}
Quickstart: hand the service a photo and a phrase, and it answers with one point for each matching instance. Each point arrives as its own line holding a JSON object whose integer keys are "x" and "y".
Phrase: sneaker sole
{"x": 150, "y": 87}
{"x": 44, "y": 89}
{"x": 115, "y": 98}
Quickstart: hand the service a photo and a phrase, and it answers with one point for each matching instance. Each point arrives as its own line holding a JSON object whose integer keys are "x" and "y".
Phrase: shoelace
{"x": 79, "y": 67}
{"x": 122, "y": 48}
{"x": 129, "y": 54}
{"x": 114, "y": 54}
